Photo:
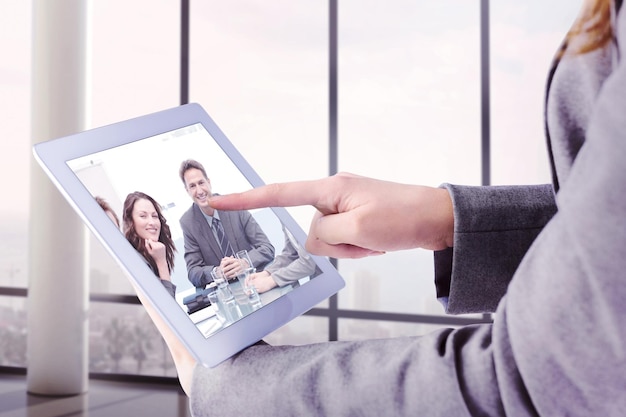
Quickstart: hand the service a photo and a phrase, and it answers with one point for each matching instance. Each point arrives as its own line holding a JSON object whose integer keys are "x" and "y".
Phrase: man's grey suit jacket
{"x": 203, "y": 253}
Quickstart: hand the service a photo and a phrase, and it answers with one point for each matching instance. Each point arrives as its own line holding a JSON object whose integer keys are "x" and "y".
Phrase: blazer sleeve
{"x": 406, "y": 376}
{"x": 291, "y": 265}
{"x": 493, "y": 228}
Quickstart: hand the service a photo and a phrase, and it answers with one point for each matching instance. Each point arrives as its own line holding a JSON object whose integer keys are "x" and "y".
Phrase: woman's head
{"x": 143, "y": 219}
{"x": 108, "y": 210}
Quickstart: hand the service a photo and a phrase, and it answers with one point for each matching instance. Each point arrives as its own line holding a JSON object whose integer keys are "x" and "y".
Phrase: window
{"x": 15, "y": 38}
{"x": 408, "y": 110}
{"x": 524, "y": 39}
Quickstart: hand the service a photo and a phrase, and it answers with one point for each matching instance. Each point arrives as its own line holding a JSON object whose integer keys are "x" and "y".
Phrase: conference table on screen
{"x": 206, "y": 321}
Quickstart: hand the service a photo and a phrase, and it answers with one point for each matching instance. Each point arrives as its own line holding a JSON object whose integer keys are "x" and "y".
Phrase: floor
{"x": 103, "y": 399}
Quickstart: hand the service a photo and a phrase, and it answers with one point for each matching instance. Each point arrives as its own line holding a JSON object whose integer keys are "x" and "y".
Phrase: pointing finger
{"x": 289, "y": 194}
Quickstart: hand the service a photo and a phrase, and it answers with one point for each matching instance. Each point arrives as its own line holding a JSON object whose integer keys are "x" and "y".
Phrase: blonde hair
{"x": 592, "y": 30}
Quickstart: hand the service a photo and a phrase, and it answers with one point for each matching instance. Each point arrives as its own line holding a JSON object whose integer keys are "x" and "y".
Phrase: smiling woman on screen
{"x": 146, "y": 229}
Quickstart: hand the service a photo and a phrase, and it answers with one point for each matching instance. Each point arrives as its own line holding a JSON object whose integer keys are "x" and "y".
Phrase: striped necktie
{"x": 227, "y": 249}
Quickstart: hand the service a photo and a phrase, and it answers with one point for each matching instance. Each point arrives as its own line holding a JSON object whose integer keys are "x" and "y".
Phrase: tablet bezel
{"x": 53, "y": 156}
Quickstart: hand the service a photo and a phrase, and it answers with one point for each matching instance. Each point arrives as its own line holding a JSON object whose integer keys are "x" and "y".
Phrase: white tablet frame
{"x": 53, "y": 156}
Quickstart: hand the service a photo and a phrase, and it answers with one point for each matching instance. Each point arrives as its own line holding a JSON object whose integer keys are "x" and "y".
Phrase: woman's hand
{"x": 156, "y": 249}
{"x": 358, "y": 216}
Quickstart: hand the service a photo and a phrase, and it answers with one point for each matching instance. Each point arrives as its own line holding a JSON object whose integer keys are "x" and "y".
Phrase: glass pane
{"x": 350, "y": 329}
{"x": 135, "y": 71}
{"x": 409, "y": 111}
{"x": 105, "y": 275}
{"x": 301, "y": 331}
{"x": 15, "y": 44}
{"x": 13, "y": 331}
{"x": 260, "y": 69}
{"x": 524, "y": 39}
{"x": 136, "y": 58}
{"x": 123, "y": 340}
{"x": 395, "y": 282}
{"x": 409, "y": 99}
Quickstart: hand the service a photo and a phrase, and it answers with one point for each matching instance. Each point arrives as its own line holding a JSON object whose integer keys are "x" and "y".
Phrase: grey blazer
{"x": 557, "y": 279}
{"x": 202, "y": 252}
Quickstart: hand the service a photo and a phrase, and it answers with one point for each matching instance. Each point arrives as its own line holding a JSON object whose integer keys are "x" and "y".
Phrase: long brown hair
{"x": 165, "y": 236}
{"x": 107, "y": 209}
{"x": 592, "y": 30}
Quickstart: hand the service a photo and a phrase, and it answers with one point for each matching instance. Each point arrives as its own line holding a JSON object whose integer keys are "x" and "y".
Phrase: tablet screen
{"x": 124, "y": 181}
{"x": 165, "y": 220}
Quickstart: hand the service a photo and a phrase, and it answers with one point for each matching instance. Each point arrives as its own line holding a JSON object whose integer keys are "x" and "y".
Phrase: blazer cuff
{"x": 493, "y": 228}
{"x": 443, "y": 274}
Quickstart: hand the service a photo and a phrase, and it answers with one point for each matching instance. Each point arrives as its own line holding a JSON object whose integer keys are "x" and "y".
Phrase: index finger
{"x": 287, "y": 194}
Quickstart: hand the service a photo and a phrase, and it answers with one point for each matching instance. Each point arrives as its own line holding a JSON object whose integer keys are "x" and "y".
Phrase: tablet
{"x": 129, "y": 173}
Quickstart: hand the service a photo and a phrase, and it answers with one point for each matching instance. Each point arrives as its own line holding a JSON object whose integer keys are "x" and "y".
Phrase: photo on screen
{"x": 144, "y": 176}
